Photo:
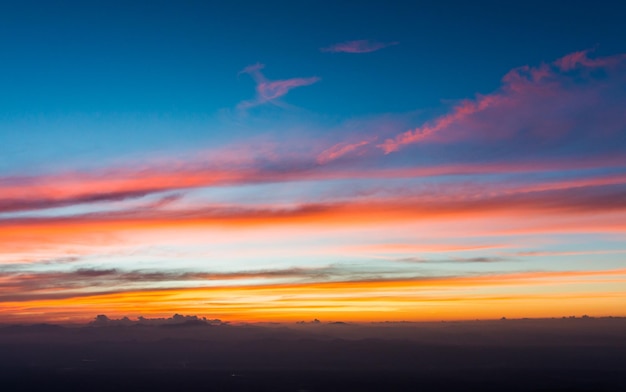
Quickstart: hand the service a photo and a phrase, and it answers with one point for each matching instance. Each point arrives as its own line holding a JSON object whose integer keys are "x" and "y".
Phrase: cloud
{"x": 102, "y": 320}
{"x": 43, "y": 283}
{"x": 126, "y": 183}
{"x": 387, "y": 248}
{"x": 455, "y": 260}
{"x": 581, "y": 59}
{"x": 269, "y": 91}
{"x": 153, "y": 179}
{"x": 339, "y": 150}
{"x": 537, "y": 253}
{"x": 490, "y": 211}
{"x": 555, "y": 102}
{"x": 460, "y": 112}
{"x": 358, "y": 46}
{"x": 254, "y": 70}
{"x": 117, "y": 184}
{"x": 25, "y": 204}
{"x": 368, "y": 298}
{"x": 562, "y": 200}
{"x": 561, "y": 116}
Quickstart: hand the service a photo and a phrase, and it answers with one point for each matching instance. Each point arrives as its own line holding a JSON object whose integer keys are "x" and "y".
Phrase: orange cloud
{"x": 529, "y": 294}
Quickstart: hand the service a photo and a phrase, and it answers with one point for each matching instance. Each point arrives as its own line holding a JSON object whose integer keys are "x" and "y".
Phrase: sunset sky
{"x": 285, "y": 161}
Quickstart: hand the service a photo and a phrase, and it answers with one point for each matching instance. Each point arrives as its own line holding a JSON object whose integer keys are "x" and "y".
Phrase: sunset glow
{"x": 337, "y": 183}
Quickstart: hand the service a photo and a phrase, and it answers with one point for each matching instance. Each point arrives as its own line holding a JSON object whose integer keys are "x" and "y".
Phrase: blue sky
{"x": 155, "y": 57}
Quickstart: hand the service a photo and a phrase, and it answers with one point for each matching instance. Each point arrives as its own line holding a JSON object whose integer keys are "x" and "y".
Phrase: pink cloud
{"x": 271, "y": 90}
{"x": 253, "y": 69}
{"x": 464, "y": 109}
{"x": 276, "y": 89}
{"x": 136, "y": 181}
{"x": 543, "y": 101}
{"x": 581, "y": 59}
{"x": 339, "y": 150}
{"x": 358, "y": 46}
{"x": 593, "y": 200}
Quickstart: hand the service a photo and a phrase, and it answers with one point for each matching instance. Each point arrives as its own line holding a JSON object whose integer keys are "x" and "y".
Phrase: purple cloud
{"x": 271, "y": 90}
{"x": 560, "y": 101}
{"x": 358, "y": 46}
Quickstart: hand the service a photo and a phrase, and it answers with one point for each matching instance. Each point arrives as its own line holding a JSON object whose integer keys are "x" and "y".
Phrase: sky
{"x": 285, "y": 161}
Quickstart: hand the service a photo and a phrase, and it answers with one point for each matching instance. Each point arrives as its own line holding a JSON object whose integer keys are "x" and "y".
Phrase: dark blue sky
{"x": 183, "y": 57}
{"x": 98, "y": 79}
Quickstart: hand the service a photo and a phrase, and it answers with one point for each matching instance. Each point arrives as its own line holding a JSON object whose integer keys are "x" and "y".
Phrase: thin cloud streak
{"x": 570, "y": 253}
{"x": 339, "y": 150}
{"x": 90, "y": 278}
{"x": 458, "y": 260}
{"x": 421, "y": 248}
{"x": 358, "y": 46}
{"x": 316, "y": 279}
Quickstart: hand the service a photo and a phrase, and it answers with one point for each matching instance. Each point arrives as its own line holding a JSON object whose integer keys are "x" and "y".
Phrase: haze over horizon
{"x": 290, "y": 161}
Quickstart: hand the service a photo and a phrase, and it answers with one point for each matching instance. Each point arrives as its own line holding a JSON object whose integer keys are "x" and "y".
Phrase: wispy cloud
{"x": 457, "y": 260}
{"x": 395, "y": 248}
{"x": 93, "y": 278}
{"x": 535, "y": 103}
{"x": 569, "y": 253}
{"x": 15, "y": 205}
{"x": 339, "y": 150}
{"x": 581, "y": 59}
{"x": 358, "y": 46}
{"x": 269, "y": 91}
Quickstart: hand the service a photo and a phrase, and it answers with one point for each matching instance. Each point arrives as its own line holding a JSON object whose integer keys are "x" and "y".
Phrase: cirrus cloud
{"x": 358, "y": 46}
{"x": 269, "y": 91}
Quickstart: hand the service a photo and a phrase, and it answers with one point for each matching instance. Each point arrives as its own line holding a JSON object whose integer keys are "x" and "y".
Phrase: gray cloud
{"x": 454, "y": 260}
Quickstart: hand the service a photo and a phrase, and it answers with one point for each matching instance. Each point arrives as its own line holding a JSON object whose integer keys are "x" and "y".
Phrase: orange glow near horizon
{"x": 533, "y": 294}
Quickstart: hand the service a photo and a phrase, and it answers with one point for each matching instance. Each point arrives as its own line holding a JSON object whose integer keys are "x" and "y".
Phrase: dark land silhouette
{"x": 191, "y": 353}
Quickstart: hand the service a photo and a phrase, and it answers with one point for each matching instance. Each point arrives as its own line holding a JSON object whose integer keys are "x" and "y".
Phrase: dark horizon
{"x": 180, "y": 318}
{"x": 563, "y": 354}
